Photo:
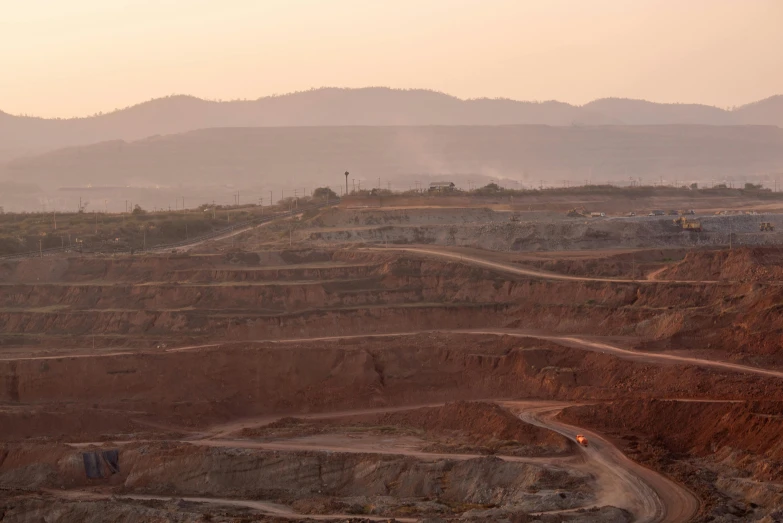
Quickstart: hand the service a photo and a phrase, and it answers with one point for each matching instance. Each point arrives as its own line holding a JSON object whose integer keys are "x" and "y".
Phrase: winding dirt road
{"x": 650, "y": 496}
{"x": 620, "y": 482}
{"x": 511, "y": 269}
{"x": 568, "y": 341}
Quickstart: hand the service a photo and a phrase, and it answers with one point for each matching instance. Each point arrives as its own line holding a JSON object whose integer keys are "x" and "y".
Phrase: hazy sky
{"x": 77, "y": 57}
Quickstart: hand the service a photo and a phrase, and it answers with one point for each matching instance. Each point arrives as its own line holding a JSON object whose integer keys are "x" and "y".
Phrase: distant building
{"x": 442, "y": 186}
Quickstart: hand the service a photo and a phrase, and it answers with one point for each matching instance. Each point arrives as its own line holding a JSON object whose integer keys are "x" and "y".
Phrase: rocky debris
{"x": 293, "y": 475}
{"x": 482, "y": 424}
{"x": 563, "y": 234}
{"x": 37, "y": 507}
{"x": 362, "y": 484}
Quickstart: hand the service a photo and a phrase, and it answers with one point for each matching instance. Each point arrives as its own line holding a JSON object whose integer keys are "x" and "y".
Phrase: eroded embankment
{"x": 200, "y": 387}
{"x": 313, "y": 482}
{"x": 375, "y": 292}
{"x": 749, "y": 264}
{"x": 702, "y": 429}
{"x": 178, "y": 300}
{"x": 727, "y": 452}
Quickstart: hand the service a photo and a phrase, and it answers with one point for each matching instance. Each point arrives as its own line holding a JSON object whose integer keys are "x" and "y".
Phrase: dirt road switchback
{"x": 651, "y": 497}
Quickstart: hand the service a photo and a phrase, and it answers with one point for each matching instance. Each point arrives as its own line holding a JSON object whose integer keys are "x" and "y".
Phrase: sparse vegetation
{"x": 29, "y": 232}
{"x": 324, "y": 192}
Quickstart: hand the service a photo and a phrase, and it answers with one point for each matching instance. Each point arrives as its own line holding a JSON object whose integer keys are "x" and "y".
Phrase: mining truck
{"x": 687, "y": 225}
{"x": 581, "y": 440}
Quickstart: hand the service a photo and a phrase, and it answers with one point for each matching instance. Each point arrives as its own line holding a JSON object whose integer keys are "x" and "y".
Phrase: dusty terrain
{"x": 320, "y": 370}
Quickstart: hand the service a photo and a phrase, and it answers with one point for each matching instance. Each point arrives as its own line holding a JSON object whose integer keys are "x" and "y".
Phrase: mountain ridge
{"x": 371, "y": 106}
{"x": 246, "y": 156}
{"x": 176, "y": 98}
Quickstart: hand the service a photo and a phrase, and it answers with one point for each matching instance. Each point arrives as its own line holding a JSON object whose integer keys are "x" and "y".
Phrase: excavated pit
{"x": 154, "y": 354}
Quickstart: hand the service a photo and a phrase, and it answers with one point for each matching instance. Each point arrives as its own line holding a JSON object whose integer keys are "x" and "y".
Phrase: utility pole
{"x": 346, "y": 183}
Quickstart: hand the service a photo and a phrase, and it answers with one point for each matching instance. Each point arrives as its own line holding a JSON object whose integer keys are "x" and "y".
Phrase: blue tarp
{"x": 101, "y": 464}
{"x": 112, "y": 459}
{"x": 92, "y": 465}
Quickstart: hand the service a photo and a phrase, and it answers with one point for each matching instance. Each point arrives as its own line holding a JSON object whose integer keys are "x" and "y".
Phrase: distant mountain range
{"x": 357, "y": 107}
{"x": 306, "y": 156}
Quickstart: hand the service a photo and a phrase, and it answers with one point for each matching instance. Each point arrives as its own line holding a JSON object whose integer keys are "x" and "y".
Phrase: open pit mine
{"x": 476, "y": 361}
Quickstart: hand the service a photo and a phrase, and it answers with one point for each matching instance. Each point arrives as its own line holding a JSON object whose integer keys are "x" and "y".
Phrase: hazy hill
{"x": 344, "y": 107}
{"x": 320, "y": 107}
{"x": 314, "y": 155}
{"x": 640, "y": 112}
{"x": 767, "y": 111}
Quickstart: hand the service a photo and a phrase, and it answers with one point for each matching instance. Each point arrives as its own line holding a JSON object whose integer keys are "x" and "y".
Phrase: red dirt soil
{"x": 751, "y": 430}
{"x": 481, "y": 424}
{"x": 478, "y": 420}
{"x": 745, "y": 264}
